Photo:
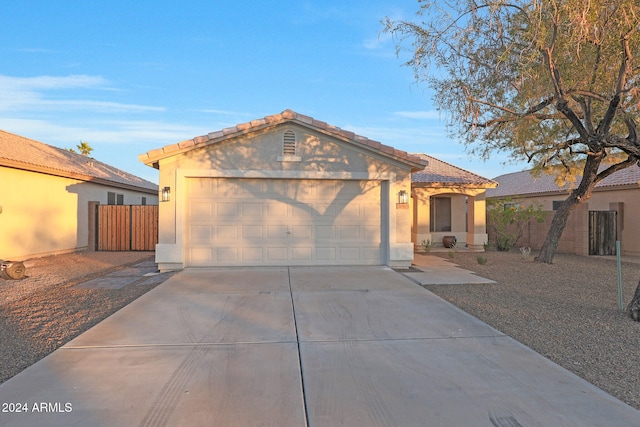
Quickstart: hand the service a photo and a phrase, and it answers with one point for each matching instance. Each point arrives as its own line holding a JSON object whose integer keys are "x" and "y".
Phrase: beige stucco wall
{"x": 604, "y": 200}
{"x": 468, "y": 217}
{"x": 44, "y": 214}
{"x": 259, "y": 155}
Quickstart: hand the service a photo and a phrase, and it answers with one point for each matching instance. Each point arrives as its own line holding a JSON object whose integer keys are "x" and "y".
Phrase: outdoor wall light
{"x": 166, "y": 194}
{"x": 403, "y": 197}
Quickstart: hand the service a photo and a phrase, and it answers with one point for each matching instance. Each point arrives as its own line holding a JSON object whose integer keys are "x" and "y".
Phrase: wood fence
{"x": 126, "y": 228}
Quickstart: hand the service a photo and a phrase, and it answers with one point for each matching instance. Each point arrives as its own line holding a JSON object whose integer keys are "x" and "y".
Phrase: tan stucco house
{"x": 285, "y": 190}
{"x": 448, "y": 201}
{"x": 618, "y": 194}
{"x": 46, "y": 192}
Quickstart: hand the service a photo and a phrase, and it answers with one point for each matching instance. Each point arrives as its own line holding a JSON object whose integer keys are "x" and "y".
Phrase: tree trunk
{"x": 579, "y": 195}
{"x": 634, "y": 307}
{"x": 550, "y": 245}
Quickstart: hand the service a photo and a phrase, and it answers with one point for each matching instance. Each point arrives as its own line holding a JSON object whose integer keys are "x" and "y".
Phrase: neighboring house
{"x": 284, "y": 190}
{"x": 614, "y": 205}
{"x": 449, "y": 201}
{"x": 46, "y": 192}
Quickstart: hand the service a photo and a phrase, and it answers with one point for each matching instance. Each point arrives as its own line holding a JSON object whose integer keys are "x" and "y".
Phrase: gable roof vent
{"x": 289, "y": 143}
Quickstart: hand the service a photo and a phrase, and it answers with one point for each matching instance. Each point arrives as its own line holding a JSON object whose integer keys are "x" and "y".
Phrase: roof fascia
{"x": 153, "y": 157}
{"x": 71, "y": 175}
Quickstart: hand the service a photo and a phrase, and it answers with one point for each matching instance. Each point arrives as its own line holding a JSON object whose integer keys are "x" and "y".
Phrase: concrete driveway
{"x": 352, "y": 346}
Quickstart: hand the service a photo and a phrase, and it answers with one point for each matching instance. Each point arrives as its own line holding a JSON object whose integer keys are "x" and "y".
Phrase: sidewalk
{"x": 438, "y": 271}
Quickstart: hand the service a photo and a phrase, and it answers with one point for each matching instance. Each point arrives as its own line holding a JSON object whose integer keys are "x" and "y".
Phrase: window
{"x": 440, "y": 214}
{"x": 289, "y": 143}
{"x": 556, "y": 204}
{"x": 143, "y": 202}
{"x": 115, "y": 199}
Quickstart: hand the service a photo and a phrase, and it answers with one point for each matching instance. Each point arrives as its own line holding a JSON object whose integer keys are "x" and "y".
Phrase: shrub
{"x": 508, "y": 219}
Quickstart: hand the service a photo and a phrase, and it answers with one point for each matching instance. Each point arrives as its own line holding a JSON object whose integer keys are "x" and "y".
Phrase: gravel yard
{"x": 44, "y": 310}
{"x": 567, "y": 312}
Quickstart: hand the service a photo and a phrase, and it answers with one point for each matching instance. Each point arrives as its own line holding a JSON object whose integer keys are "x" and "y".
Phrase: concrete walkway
{"x": 351, "y": 346}
{"x": 438, "y": 271}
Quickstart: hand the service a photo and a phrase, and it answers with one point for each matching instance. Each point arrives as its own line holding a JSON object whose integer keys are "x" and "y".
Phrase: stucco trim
{"x": 274, "y": 174}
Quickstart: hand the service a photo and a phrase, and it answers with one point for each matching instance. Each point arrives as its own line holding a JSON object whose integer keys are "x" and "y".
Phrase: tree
{"x": 507, "y": 219}
{"x": 84, "y": 148}
{"x": 552, "y": 82}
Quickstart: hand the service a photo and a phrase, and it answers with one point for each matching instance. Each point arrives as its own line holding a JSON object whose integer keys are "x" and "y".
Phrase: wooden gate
{"x": 126, "y": 227}
{"x": 602, "y": 232}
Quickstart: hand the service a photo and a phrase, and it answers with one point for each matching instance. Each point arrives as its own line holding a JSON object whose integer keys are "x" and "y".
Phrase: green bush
{"x": 508, "y": 219}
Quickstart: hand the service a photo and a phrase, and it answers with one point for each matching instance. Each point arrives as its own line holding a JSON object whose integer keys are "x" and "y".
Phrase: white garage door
{"x": 282, "y": 222}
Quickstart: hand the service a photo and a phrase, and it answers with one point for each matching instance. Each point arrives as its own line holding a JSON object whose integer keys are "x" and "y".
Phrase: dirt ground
{"x": 45, "y": 310}
{"x": 567, "y": 311}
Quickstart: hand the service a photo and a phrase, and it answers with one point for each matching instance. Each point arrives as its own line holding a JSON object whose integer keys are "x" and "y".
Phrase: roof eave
{"x": 153, "y": 157}
{"x": 484, "y": 185}
{"x": 72, "y": 175}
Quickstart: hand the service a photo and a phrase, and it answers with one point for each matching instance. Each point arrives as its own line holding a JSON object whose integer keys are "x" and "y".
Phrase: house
{"x": 46, "y": 193}
{"x": 610, "y": 214}
{"x": 284, "y": 190}
{"x": 449, "y": 201}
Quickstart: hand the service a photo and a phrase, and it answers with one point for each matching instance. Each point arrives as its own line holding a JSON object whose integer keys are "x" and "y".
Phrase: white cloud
{"x": 29, "y": 94}
{"x": 428, "y": 115}
{"x": 52, "y": 82}
{"x": 148, "y": 134}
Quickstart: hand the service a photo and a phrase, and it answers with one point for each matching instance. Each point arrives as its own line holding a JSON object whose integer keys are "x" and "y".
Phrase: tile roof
{"x": 443, "y": 173}
{"x": 524, "y": 183}
{"x": 23, "y": 153}
{"x": 150, "y": 158}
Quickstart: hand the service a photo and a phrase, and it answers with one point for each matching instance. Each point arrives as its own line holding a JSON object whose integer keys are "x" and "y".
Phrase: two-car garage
{"x": 283, "y": 190}
{"x": 236, "y": 221}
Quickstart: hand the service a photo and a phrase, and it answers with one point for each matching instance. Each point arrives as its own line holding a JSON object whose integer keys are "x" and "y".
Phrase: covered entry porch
{"x": 448, "y": 203}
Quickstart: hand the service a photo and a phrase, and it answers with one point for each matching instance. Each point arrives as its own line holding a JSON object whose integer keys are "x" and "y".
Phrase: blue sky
{"x": 132, "y": 76}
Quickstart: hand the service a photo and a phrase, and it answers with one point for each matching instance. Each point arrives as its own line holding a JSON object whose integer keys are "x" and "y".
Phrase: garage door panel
{"x": 277, "y": 210}
{"x": 201, "y": 233}
{"x": 326, "y": 254}
{"x": 252, "y": 255}
{"x": 227, "y": 209}
{"x": 253, "y": 210}
{"x": 302, "y": 254}
{"x": 282, "y": 222}
{"x": 201, "y": 255}
{"x": 301, "y": 232}
{"x": 227, "y": 232}
{"x": 348, "y": 212}
{"x": 225, "y": 254}
{"x": 252, "y": 231}
{"x": 200, "y": 209}
{"x": 325, "y": 232}
{"x": 348, "y": 232}
{"x": 372, "y": 232}
{"x": 323, "y": 210}
{"x": 277, "y": 254}
{"x": 277, "y": 232}
{"x": 349, "y": 254}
